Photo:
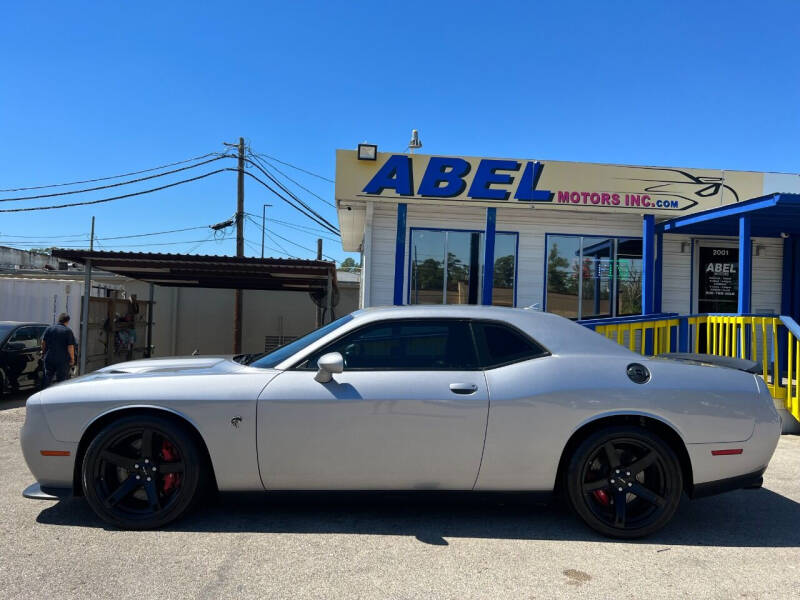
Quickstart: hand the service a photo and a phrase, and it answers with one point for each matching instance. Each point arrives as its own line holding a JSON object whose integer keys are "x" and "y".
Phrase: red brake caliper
{"x": 170, "y": 480}
{"x": 602, "y": 497}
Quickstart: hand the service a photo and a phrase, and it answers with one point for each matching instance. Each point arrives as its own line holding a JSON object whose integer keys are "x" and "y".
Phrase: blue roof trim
{"x": 714, "y": 217}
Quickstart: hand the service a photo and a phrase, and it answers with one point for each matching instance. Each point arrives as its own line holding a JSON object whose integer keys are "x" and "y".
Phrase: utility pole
{"x": 263, "y": 227}
{"x": 319, "y": 308}
{"x": 87, "y": 290}
{"x": 237, "y": 299}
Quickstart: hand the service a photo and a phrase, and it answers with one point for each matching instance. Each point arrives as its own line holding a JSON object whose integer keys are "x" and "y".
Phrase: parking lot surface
{"x": 745, "y": 544}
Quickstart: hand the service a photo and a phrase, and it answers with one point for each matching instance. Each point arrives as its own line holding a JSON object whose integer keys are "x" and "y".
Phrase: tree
{"x": 556, "y": 271}
{"x": 504, "y": 271}
{"x": 350, "y": 265}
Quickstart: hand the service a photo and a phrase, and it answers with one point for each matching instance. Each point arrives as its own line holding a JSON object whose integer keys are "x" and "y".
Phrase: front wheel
{"x": 624, "y": 482}
{"x": 141, "y": 472}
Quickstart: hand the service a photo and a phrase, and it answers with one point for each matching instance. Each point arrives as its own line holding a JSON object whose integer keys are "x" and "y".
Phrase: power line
{"x": 61, "y": 237}
{"x": 327, "y": 224}
{"x": 301, "y": 246}
{"x": 111, "y": 185}
{"x": 138, "y": 235}
{"x": 102, "y": 200}
{"x": 254, "y": 222}
{"x": 257, "y": 224}
{"x": 298, "y": 184}
{"x": 290, "y": 203}
{"x": 71, "y": 237}
{"x": 300, "y": 228}
{"x": 52, "y": 185}
{"x": 288, "y": 191}
{"x": 82, "y": 246}
{"x": 257, "y": 249}
{"x": 294, "y": 166}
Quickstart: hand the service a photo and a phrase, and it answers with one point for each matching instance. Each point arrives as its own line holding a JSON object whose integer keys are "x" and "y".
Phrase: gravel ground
{"x": 739, "y": 545}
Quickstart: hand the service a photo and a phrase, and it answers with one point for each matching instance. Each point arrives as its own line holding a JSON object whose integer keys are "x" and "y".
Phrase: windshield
{"x": 277, "y": 356}
{"x": 4, "y": 329}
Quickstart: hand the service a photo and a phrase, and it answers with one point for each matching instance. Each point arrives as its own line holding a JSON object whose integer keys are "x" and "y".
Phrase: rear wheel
{"x": 141, "y": 472}
{"x": 624, "y": 482}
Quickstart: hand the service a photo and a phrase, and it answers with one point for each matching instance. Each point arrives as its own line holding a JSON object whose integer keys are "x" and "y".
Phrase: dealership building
{"x": 583, "y": 240}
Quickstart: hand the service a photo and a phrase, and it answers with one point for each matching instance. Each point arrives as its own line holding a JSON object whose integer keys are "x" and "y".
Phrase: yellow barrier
{"x": 750, "y": 337}
{"x": 633, "y": 334}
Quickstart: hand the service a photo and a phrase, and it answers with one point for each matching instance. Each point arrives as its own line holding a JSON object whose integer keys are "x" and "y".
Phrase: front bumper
{"x": 36, "y": 492}
{"x": 35, "y": 437}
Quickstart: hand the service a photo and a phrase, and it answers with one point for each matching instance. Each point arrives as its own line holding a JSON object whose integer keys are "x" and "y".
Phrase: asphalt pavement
{"x": 744, "y": 544}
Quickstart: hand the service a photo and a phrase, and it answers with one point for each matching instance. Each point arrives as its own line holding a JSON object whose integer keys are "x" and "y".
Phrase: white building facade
{"x": 571, "y": 238}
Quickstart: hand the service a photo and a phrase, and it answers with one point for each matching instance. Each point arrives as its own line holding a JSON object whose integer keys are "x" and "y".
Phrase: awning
{"x": 777, "y": 215}
{"x": 228, "y": 272}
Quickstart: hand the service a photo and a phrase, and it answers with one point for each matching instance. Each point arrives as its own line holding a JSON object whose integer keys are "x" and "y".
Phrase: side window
{"x": 415, "y": 345}
{"x": 501, "y": 345}
{"x": 26, "y": 335}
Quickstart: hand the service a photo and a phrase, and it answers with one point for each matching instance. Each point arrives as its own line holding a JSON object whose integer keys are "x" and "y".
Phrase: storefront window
{"x": 447, "y": 267}
{"x": 584, "y": 273}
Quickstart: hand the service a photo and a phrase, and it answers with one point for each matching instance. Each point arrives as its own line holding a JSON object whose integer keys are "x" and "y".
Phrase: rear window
{"x": 502, "y": 345}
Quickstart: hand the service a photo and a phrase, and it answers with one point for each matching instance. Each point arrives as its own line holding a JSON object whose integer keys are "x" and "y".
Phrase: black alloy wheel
{"x": 624, "y": 482}
{"x": 141, "y": 472}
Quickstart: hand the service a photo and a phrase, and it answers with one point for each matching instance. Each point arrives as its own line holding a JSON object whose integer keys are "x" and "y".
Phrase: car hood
{"x": 172, "y": 366}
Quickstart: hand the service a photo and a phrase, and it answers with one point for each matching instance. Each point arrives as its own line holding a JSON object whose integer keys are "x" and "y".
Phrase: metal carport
{"x": 190, "y": 270}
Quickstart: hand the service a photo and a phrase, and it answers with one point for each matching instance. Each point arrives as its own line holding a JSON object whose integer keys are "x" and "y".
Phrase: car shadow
{"x": 744, "y": 518}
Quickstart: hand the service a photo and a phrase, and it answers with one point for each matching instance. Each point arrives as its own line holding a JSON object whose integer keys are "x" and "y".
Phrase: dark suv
{"x": 20, "y": 355}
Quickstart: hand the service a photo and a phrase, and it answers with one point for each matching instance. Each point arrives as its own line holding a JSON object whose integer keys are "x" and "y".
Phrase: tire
{"x": 142, "y": 472}
{"x": 647, "y": 482}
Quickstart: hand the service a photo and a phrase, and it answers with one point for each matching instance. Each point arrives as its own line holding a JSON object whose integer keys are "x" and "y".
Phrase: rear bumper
{"x": 711, "y": 488}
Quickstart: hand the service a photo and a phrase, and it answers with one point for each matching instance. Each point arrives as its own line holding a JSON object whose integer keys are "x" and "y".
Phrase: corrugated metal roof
{"x": 210, "y": 271}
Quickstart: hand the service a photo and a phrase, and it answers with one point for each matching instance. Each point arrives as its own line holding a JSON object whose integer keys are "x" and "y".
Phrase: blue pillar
{"x": 648, "y": 257}
{"x": 745, "y": 265}
{"x": 400, "y": 253}
{"x": 787, "y": 279}
{"x": 659, "y": 273}
{"x": 488, "y": 256}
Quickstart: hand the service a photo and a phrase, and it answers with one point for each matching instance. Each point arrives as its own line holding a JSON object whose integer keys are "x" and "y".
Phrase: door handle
{"x": 463, "y": 388}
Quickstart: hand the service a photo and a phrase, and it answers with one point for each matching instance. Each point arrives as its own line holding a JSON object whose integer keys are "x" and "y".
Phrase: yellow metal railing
{"x": 751, "y": 337}
{"x": 634, "y": 333}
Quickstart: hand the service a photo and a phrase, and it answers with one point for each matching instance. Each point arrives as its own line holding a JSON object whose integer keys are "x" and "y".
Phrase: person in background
{"x": 58, "y": 346}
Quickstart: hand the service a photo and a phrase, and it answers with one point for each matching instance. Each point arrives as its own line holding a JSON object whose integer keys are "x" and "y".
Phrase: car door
{"x": 21, "y": 353}
{"x": 409, "y": 411}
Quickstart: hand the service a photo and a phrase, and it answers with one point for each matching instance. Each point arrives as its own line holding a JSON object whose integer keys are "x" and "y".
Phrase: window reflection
{"x": 629, "y": 276}
{"x": 584, "y": 273}
{"x": 447, "y": 267}
{"x": 563, "y": 259}
{"x": 427, "y": 267}
{"x": 505, "y": 259}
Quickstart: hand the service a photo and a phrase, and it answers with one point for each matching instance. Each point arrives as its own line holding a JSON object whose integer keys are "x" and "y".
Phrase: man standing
{"x": 58, "y": 346}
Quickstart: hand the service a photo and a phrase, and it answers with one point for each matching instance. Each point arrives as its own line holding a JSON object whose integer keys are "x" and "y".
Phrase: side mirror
{"x": 328, "y": 365}
{"x": 15, "y": 346}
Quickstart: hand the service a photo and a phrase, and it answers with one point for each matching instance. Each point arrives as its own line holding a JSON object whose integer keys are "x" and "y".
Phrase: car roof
{"x": 16, "y": 323}
{"x": 556, "y": 333}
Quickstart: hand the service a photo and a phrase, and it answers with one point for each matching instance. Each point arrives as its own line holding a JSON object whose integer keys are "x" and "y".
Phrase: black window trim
{"x": 514, "y": 328}
{"x": 301, "y": 365}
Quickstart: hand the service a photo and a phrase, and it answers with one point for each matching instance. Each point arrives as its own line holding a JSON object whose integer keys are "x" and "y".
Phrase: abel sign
{"x": 556, "y": 184}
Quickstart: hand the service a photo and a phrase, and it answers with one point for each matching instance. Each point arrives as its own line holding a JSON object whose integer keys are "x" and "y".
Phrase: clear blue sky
{"x": 97, "y": 88}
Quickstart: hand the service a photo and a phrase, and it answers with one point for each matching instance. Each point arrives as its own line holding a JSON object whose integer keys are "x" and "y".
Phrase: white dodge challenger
{"x": 410, "y": 398}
